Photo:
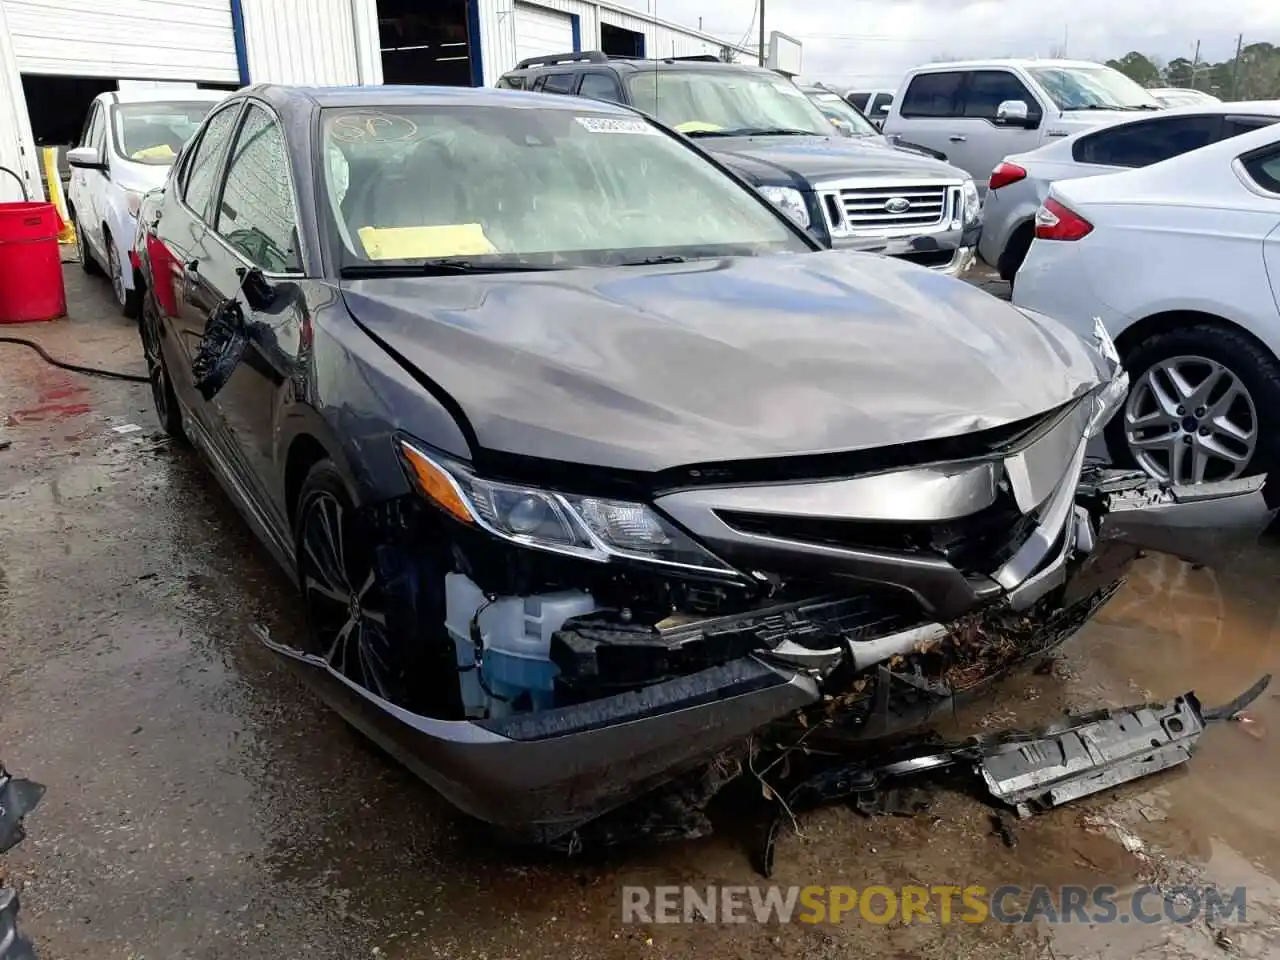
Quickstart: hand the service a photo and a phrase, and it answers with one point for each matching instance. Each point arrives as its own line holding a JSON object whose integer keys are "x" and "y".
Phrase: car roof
{"x": 1003, "y": 62}
{"x": 173, "y": 94}
{"x": 305, "y": 98}
{"x": 639, "y": 64}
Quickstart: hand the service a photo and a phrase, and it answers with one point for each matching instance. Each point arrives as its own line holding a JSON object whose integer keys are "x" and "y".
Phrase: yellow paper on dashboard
{"x": 161, "y": 151}
{"x": 411, "y": 243}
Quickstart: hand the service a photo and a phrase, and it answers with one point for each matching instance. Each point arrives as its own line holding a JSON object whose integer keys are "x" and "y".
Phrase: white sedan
{"x": 129, "y": 142}
{"x": 1181, "y": 261}
{"x": 1020, "y": 182}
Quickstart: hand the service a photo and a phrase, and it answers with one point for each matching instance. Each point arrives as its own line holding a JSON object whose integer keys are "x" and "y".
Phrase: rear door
{"x": 930, "y": 109}
{"x": 1262, "y": 167}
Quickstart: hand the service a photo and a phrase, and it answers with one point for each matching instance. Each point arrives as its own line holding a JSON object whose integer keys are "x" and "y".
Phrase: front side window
{"x": 1092, "y": 88}
{"x": 727, "y": 103}
{"x": 203, "y": 167}
{"x": 881, "y": 104}
{"x": 859, "y": 100}
{"x": 538, "y": 187}
{"x": 934, "y": 95}
{"x": 1264, "y": 169}
{"x": 1238, "y": 125}
{"x": 988, "y": 89}
{"x": 1148, "y": 142}
{"x": 92, "y": 127}
{"x": 256, "y": 213}
{"x": 155, "y": 133}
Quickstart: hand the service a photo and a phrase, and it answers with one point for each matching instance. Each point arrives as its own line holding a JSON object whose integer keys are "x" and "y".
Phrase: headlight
{"x": 593, "y": 528}
{"x": 133, "y": 200}
{"x": 970, "y": 203}
{"x": 790, "y": 201}
{"x": 1110, "y": 396}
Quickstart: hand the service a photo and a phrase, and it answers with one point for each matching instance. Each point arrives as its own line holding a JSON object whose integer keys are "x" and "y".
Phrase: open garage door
{"x": 541, "y": 32}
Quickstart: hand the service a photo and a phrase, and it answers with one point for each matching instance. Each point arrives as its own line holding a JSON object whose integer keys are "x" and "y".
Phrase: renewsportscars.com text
{"x": 934, "y": 904}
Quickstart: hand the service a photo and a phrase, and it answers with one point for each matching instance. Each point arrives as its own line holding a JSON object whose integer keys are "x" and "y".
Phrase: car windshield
{"x": 835, "y": 109}
{"x": 533, "y": 187}
{"x": 154, "y": 133}
{"x": 727, "y": 102}
{"x": 1092, "y": 88}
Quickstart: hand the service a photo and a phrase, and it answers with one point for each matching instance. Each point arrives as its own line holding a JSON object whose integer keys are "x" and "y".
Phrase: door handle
{"x": 958, "y": 138}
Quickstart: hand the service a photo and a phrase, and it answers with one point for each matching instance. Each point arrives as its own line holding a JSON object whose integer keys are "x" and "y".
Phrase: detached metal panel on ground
{"x": 142, "y": 39}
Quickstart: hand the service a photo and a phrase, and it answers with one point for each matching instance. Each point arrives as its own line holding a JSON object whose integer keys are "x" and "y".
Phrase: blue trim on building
{"x": 473, "y": 43}
{"x": 575, "y": 24}
{"x": 242, "y": 48}
{"x": 640, "y": 45}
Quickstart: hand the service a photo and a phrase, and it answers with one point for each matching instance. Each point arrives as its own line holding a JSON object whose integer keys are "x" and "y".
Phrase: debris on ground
{"x": 1024, "y": 772}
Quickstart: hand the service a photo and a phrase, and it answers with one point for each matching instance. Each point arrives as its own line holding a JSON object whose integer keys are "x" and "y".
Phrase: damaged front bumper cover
{"x": 541, "y": 774}
{"x": 17, "y": 798}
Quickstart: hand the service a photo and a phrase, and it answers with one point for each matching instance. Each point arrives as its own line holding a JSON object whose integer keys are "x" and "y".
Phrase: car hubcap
{"x": 1190, "y": 420}
{"x": 113, "y": 264}
{"x": 344, "y": 602}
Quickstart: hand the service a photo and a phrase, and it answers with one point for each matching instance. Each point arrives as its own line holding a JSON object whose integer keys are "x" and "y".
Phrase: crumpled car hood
{"x": 652, "y": 367}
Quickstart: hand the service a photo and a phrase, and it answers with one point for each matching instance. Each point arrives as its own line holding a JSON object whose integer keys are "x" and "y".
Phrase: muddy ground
{"x": 203, "y": 804}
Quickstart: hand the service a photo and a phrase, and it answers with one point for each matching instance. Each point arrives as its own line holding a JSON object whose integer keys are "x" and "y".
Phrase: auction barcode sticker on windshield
{"x": 611, "y": 125}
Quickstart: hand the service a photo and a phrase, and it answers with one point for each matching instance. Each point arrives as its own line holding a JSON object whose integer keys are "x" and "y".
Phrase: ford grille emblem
{"x": 897, "y": 205}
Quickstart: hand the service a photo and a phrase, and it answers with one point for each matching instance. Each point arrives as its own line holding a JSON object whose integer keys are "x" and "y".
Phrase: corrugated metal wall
{"x": 301, "y": 41}
{"x": 144, "y": 39}
{"x": 17, "y": 148}
{"x": 497, "y": 33}
{"x": 661, "y": 40}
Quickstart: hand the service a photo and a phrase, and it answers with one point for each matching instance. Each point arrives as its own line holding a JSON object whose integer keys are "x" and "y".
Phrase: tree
{"x": 1138, "y": 67}
{"x": 1178, "y": 73}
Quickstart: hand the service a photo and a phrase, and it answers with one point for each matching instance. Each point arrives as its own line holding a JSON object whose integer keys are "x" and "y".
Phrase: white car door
{"x": 1264, "y": 170}
{"x": 84, "y": 182}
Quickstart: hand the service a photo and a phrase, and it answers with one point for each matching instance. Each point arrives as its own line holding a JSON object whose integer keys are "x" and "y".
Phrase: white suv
{"x": 129, "y": 142}
{"x": 980, "y": 111}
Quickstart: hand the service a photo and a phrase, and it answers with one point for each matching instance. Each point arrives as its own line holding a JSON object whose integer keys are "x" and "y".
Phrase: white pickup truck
{"x": 978, "y": 112}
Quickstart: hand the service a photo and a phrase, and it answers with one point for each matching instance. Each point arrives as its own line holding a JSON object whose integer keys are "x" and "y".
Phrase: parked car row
{"x": 591, "y": 459}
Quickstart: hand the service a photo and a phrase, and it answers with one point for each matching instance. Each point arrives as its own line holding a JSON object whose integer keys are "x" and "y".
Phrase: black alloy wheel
{"x": 345, "y": 602}
{"x": 162, "y": 393}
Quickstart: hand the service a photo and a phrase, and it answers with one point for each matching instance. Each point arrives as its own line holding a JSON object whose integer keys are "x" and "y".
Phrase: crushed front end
{"x": 608, "y": 647}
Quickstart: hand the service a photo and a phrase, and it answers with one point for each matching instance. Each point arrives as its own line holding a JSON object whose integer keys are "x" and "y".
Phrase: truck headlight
{"x": 592, "y": 528}
{"x": 969, "y": 202}
{"x": 790, "y": 201}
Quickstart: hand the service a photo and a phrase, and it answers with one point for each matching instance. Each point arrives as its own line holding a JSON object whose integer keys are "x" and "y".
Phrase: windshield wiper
{"x": 446, "y": 266}
{"x": 646, "y": 261}
{"x": 755, "y": 132}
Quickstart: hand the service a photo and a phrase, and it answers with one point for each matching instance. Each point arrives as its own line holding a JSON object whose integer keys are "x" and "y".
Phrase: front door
{"x": 88, "y": 186}
{"x": 977, "y": 141}
{"x": 256, "y": 228}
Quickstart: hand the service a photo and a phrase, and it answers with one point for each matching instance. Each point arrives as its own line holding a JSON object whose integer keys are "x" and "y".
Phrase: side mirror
{"x": 86, "y": 158}
{"x": 1012, "y": 113}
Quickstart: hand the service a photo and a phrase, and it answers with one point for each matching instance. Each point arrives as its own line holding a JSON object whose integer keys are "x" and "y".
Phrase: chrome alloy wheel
{"x": 1189, "y": 419}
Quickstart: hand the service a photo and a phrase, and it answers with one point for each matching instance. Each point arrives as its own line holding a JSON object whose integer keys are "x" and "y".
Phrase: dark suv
{"x": 859, "y": 192}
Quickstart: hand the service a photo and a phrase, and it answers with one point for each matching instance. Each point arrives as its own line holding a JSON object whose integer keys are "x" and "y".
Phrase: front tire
{"x": 1203, "y": 406}
{"x": 342, "y": 592}
{"x": 127, "y": 300}
{"x": 87, "y": 263}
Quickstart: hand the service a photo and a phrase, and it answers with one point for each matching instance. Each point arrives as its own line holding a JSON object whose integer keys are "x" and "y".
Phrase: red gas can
{"x": 30, "y": 268}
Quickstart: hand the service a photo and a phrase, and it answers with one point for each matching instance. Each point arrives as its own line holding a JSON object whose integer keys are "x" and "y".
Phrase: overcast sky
{"x": 863, "y": 42}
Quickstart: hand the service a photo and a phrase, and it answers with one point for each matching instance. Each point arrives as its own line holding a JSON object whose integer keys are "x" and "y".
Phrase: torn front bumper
{"x": 543, "y": 773}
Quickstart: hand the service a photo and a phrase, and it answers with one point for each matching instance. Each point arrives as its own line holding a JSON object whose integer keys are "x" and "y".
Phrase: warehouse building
{"x": 56, "y": 55}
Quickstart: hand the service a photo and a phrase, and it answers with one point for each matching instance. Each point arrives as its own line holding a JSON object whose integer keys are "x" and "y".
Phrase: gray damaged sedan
{"x": 593, "y": 470}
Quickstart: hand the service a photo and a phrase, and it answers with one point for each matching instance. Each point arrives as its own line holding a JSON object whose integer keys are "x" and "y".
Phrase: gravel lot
{"x": 203, "y": 804}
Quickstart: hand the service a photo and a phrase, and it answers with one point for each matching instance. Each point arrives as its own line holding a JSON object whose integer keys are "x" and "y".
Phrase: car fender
{"x": 122, "y": 227}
